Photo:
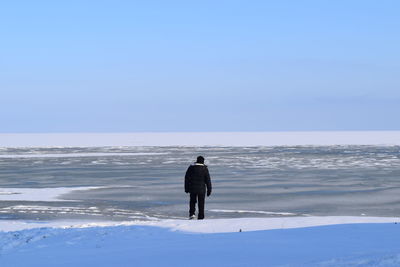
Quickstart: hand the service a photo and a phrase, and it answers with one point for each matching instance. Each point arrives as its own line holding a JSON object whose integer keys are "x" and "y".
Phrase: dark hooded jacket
{"x": 197, "y": 179}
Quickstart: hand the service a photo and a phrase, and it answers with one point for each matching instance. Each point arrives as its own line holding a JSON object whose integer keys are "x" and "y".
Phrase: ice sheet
{"x": 201, "y": 139}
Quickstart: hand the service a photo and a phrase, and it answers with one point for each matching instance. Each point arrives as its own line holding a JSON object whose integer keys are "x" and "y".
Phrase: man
{"x": 197, "y": 179}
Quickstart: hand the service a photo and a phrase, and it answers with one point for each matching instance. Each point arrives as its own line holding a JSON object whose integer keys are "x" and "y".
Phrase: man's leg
{"x": 192, "y": 205}
{"x": 201, "y": 198}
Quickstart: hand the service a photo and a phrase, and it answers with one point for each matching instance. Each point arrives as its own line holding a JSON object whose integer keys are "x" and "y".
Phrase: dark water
{"x": 147, "y": 182}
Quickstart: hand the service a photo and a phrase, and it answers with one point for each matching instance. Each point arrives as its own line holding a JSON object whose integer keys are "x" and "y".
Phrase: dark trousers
{"x": 194, "y": 197}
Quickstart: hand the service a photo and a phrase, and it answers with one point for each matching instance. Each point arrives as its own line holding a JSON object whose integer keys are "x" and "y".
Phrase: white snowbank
{"x": 257, "y": 224}
{"x": 206, "y": 226}
{"x": 39, "y": 194}
{"x": 201, "y": 139}
{"x": 254, "y": 212}
{"x": 139, "y": 244}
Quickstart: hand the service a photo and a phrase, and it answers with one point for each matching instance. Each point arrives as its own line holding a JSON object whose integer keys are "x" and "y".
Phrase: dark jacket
{"x": 197, "y": 178}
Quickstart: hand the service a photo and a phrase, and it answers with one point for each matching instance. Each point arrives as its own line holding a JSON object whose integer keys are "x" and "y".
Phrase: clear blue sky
{"x": 124, "y": 66}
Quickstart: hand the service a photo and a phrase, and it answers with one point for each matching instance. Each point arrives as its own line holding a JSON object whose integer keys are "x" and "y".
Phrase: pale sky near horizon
{"x": 125, "y": 66}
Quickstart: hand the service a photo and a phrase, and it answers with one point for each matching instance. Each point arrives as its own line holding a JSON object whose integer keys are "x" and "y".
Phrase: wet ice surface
{"x": 146, "y": 183}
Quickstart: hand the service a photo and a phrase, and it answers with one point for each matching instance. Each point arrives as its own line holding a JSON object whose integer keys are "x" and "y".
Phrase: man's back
{"x": 197, "y": 178}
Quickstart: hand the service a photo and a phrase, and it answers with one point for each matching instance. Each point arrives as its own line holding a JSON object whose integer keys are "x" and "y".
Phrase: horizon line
{"x": 223, "y": 139}
{"x": 140, "y": 132}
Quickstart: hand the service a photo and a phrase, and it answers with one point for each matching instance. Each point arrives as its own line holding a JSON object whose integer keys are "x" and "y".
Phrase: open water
{"x": 145, "y": 183}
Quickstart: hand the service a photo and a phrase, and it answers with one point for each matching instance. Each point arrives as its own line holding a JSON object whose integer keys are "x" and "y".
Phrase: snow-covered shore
{"x": 205, "y": 226}
{"x": 331, "y": 241}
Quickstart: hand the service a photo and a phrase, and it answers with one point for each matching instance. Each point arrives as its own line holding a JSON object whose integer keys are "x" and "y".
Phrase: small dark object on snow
{"x": 240, "y": 230}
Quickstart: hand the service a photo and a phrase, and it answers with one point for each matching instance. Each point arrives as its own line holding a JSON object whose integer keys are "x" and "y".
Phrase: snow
{"x": 258, "y": 224}
{"x": 254, "y": 212}
{"x": 200, "y": 139}
{"x": 337, "y": 241}
{"x": 39, "y": 194}
{"x": 205, "y": 226}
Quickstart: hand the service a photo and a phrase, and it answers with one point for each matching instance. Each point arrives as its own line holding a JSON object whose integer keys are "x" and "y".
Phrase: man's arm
{"x": 208, "y": 182}
{"x": 187, "y": 180}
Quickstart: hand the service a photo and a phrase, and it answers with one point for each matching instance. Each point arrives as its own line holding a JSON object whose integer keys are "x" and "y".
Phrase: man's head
{"x": 200, "y": 160}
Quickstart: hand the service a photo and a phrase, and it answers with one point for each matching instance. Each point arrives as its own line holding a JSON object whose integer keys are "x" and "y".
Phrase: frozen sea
{"x": 146, "y": 182}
